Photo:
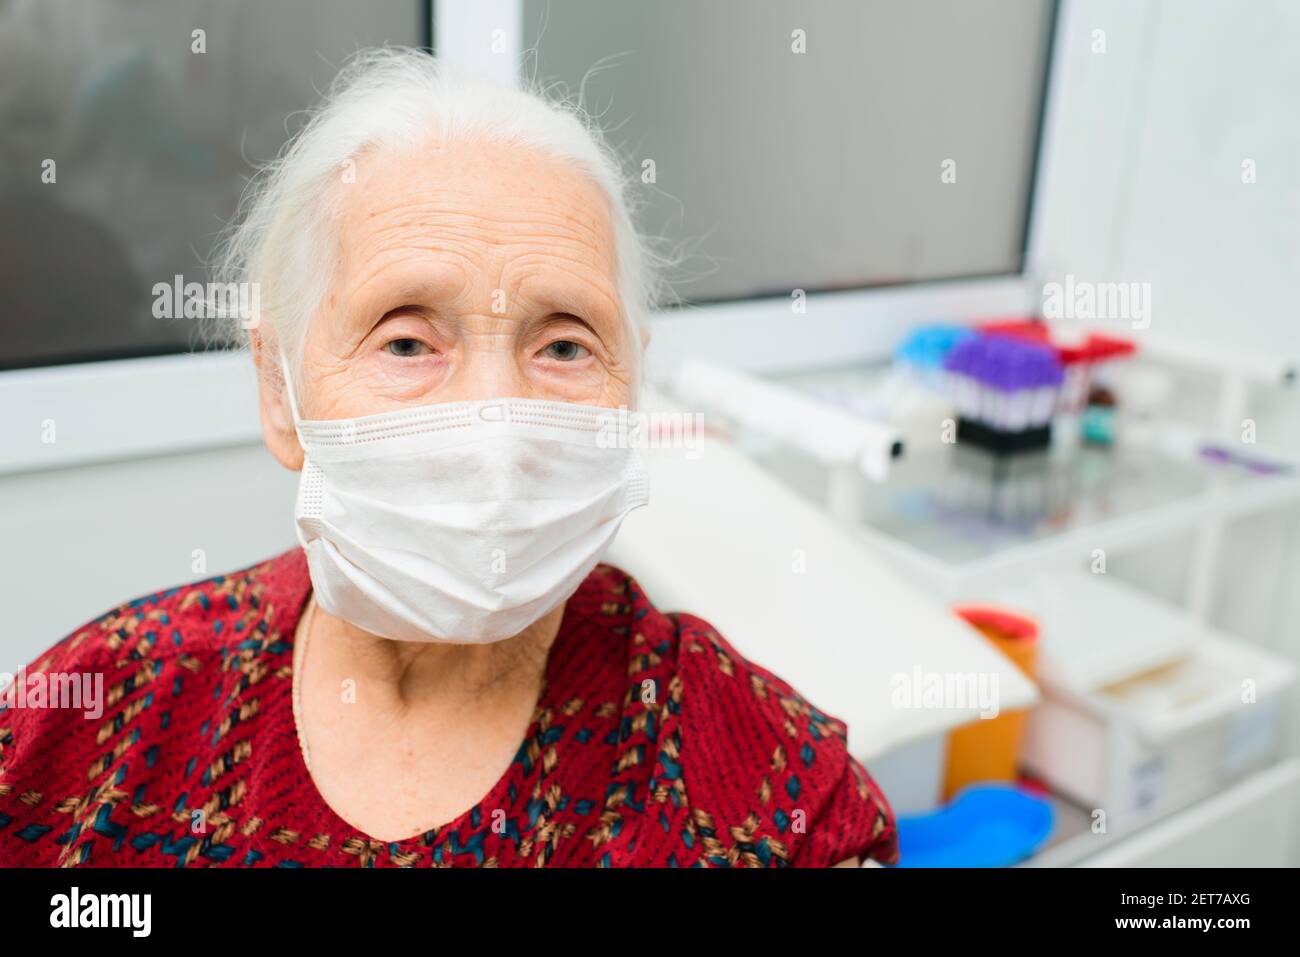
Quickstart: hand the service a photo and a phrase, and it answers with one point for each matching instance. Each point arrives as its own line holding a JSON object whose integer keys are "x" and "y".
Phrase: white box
{"x": 1163, "y": 738}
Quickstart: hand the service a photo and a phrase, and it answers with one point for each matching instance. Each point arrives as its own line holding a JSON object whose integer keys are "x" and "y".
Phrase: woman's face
{"x": 468, "y": 271}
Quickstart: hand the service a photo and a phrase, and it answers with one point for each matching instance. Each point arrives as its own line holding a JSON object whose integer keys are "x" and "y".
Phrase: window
{"x": 899, "y": 146}
{"x": 126, "y": 139}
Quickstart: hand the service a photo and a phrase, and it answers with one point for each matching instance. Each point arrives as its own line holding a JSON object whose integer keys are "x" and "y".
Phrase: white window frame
{"x": 63, "y": 416}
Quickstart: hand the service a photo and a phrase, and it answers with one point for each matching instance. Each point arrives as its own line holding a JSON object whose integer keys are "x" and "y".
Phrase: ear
{"x": 645, "y": 337}
{"x": 273, "y": 405}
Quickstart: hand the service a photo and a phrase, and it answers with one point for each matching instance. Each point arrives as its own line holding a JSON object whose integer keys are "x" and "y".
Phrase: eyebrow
{"x": 413, "y": 292}
{"x": 551, "y": 293}
{"x": 376, "y": 298}
{"x": 560, "y": 298}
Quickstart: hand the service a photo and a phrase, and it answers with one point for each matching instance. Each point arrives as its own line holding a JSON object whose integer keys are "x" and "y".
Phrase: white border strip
{"x": 73, "y": 415}
{"x": 483, "y": 38}
{"x": 840, "y": 328}
{"x": 1062, "y": 57}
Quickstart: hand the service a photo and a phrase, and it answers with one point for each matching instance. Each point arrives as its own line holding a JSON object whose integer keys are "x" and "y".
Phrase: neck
{"x": 405, "y": 674}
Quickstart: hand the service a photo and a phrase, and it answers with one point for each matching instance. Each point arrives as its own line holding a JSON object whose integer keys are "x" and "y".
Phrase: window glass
{"x": 820, "y": 144}
{"x": 126, "y": 139}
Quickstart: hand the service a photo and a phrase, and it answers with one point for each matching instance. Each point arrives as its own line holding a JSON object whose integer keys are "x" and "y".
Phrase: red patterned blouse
{"x": 195, "y": 761}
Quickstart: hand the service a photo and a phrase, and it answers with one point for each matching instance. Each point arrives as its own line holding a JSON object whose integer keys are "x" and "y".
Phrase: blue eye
{"x": 564, "y": 350}
{"x": 405, "y": 348}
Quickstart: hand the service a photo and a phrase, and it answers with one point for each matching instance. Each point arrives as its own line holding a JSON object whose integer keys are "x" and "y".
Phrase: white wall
{"x": 79, "y": 541}
{"x": 1145, "y": 184}
{"x": 1147, "y": 166}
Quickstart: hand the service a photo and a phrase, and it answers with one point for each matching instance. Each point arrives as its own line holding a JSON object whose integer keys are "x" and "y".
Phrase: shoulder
{"x": 68, "y": 718}
{"x": 767, "y": 775}
{"x": 209, "y": 616}
{"x": 765, "y": 760}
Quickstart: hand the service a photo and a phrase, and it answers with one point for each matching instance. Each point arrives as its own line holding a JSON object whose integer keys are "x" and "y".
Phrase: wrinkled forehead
{"x": 476, "y": 214}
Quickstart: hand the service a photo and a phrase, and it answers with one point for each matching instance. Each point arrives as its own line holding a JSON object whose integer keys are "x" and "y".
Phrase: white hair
{"x": 396, "y": 98}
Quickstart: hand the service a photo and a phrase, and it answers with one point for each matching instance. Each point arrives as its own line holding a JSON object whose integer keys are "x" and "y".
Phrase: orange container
{"x": 988, "y": 749}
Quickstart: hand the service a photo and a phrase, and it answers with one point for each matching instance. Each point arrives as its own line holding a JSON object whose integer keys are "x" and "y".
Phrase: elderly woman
{"x": 443, "y": 673}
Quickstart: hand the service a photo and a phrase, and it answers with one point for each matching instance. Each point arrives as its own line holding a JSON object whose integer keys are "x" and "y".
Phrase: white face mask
{"x": 463, "y": 521}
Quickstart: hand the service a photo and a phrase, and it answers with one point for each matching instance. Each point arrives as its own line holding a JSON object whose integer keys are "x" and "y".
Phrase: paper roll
{"x": 829, "y": 434}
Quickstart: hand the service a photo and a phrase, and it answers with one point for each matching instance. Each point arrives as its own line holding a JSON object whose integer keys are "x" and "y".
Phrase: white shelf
{"x": 1250, "y": 824}
{"x": 938, "y": 532}
{"x": 1116, "y": 536}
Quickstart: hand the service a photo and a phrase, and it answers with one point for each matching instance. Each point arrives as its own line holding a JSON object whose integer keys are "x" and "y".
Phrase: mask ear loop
{"x": 288, "y": 388}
